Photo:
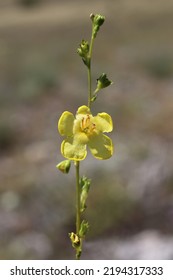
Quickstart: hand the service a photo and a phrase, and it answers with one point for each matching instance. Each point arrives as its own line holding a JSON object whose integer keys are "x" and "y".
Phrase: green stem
{"x": 78, "y": 208}
{"x": 89, "y": 87}
{"x": 89, "y": 71}
{"x": 77, "y": 163}
{"x": 78, "y": 194}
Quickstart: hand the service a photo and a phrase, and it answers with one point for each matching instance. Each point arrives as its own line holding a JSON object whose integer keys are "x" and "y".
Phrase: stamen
{"x": 86, "y": 125}
{"x": 83, "y": 125}
{"x": 93, "y": 126}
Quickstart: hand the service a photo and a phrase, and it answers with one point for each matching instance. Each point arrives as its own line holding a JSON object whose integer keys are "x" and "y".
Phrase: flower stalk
{"x": 89, "y": 67}
{"x": 84, "y": 130}
{"x": 78, "y": 207}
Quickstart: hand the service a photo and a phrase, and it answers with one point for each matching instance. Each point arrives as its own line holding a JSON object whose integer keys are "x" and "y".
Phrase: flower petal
{"x": 65, "y": 124}
{"x": 101, "y": 146}
{"x": 84, "y": 110}
{"x": 103, "y": 122}
{"x": 72, "y": 150}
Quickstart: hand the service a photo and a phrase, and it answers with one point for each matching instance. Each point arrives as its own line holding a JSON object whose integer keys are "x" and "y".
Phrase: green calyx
{"x": 103, "y": 82}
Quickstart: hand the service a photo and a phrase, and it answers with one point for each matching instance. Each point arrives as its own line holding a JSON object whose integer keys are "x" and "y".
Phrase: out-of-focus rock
{"x": 147, "y": 245}
{"x": 30, "y": 245}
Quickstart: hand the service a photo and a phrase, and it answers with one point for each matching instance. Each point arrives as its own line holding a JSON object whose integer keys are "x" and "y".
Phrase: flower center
{"x": 87, "y": 126}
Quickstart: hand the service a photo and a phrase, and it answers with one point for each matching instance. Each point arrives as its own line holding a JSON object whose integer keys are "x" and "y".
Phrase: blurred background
{"x": 130, "y": 205}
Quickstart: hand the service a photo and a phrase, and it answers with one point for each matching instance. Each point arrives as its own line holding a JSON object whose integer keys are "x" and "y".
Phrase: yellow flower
{"x": 83, "y": 130}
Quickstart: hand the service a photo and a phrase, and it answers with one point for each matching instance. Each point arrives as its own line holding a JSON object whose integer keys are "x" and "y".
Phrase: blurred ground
{"x": 131, "y": 199}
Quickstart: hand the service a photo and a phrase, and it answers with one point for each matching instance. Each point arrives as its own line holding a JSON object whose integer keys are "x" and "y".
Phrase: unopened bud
{"x": 75, "y": 240}
{"x": 103, "y": 82}
{"x": 97, "y": 20}
{"x": 64, "y": 166}
{"x": 83, "y": 51}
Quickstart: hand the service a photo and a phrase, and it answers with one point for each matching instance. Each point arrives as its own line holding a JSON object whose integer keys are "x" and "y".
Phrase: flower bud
{"x": 75, "y": 240}
{"x": 103, "y": 82}
{"x": 97, "y": 20}
{"x": 85, "y": 46}
{"x": 83, "y": 51}
{"x": 64, "y": 166}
